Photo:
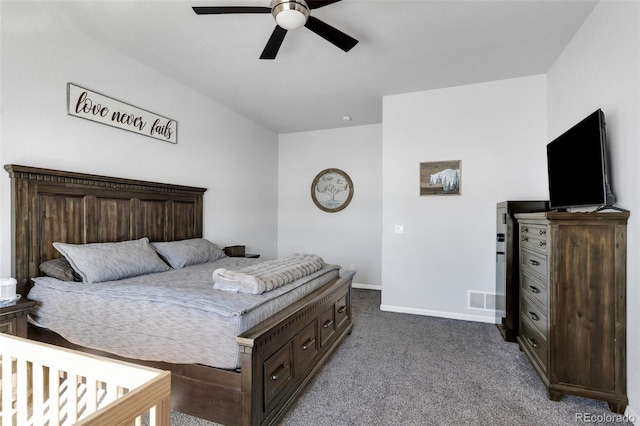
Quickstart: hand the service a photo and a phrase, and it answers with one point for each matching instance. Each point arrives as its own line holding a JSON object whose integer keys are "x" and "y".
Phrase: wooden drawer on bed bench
{"x": 327, "y": 325}
{"x": 333, "y": 319}
{"x": 342, "y": 311}
{"x": 306, "y": 347}
{"x": 278, "y": 373}
{"x": 289, "y": 363}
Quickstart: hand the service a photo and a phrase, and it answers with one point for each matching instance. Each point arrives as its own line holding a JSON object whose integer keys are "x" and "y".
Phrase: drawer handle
{"x": 534, "y": 262}
{"x": 534, "y": 289}
{"x": 543, "y": 243}
{"x": 306, "y": 345}
{"x": 276, "y": 375}
{"x": 341, "y": 309}
{"x": 532, "y": 342}
{"x": 525, "y": 238}
{"x": 524, "y": 229}
{"x": 543, "y": 232}
{"x": 327, "y": 324}
{"x": 534, "y": 316}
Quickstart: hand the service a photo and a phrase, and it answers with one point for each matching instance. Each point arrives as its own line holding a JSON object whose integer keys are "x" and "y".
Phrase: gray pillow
{"x": 183, "y": 253}
{"x": 59, "y": 268}
{"x": 100, "y": 262}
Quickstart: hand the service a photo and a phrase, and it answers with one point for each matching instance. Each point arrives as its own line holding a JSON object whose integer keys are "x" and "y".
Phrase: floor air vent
{"x": 481, "y": 300}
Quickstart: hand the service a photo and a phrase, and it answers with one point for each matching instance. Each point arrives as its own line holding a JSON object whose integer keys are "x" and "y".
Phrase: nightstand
{"x": 238, "y": 251}
{"x": 13, "y": 317}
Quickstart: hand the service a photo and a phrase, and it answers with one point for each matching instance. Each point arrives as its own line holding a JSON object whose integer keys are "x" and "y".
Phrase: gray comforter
{"x": 173, "y": 316}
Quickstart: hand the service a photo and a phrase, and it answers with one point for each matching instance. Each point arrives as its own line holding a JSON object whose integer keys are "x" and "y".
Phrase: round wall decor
{"x": 332, "y": 190}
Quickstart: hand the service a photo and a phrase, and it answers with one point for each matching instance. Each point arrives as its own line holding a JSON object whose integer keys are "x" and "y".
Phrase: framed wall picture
{"x": 440, "y": 178}
{"x": 332, "y": 190}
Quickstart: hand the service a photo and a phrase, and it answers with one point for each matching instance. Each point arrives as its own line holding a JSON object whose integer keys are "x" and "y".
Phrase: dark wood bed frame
{"x": 279, "y": 356}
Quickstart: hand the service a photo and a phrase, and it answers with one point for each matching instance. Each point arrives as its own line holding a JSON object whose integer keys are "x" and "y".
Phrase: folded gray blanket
{"x": 266, "y": 276}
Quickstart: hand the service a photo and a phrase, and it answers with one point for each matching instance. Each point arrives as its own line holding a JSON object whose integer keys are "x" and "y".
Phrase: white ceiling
{"x": 404, "y": 46}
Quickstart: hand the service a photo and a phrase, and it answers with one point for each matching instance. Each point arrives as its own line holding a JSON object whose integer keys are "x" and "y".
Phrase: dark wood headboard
{"x": 52, "y": 205}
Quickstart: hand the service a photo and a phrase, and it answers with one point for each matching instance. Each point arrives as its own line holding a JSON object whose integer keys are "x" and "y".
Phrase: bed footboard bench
{"x": 280, "y": 357}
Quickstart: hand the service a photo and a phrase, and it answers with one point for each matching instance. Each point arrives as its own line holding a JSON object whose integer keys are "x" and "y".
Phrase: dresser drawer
{"x": 536, "y": 262}
{"x": 533, "y": 344}
{"x": 535, "y": 315}
{"x": 533, "y": 236}
{"x": 534, "y": 289}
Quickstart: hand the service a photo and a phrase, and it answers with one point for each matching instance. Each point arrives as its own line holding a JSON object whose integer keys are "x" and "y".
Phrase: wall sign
{"x": 332, "y": 190}
{"x": 93, "y": 106}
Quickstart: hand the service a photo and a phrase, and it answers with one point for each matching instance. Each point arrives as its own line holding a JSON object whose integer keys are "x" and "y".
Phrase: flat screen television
{"x": 577, "y": 166}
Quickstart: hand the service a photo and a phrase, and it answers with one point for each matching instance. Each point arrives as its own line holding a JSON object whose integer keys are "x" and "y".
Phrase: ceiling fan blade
{"x": 315, "y": 4}
{"x": 219, "y": 10}
{"x": 331, "y": 34}
{"x": 273, "y": 45}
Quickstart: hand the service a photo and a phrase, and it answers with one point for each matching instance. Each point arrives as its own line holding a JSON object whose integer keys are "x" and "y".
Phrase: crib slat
{"x": 54, "y": 396}
{"x": 7, "y": 390}
{"x": 72, "y": 398}
{"x": 37, "y": 392}
{"x": 152, "y": 415}
{"x": 111, "y": 394}
{"x": 91, "y": 396}
{"x": 22, "y": 391}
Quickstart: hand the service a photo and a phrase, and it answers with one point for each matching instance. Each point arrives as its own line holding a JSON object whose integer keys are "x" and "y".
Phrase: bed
{"x": 274, "y": 359}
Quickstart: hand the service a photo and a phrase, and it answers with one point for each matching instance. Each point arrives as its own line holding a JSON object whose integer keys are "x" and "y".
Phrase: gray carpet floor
{"x": 401, "y": 369}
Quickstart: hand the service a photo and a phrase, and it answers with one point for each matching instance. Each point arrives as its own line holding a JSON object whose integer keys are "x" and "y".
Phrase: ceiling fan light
{"x": 290, "y": 19}
{"x": 290, "y": 14}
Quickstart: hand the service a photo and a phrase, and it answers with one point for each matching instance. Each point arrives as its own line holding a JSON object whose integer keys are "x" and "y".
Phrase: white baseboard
{"x": 367, "y": 286}
{"x": 439, "y": 314}
{"x": 632, "y": 416}
{"x": 426, "y": 312}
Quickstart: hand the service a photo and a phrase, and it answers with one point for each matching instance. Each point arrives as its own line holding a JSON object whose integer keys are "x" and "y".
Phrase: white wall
{"x": 600, "y": 68}
{"x": 235, "y": 158}
{"x": 498, "y": 131}
{"x": 350, "y": 236}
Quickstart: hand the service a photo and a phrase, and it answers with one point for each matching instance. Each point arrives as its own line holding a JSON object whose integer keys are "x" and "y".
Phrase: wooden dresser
{"x": 573, "y": 303}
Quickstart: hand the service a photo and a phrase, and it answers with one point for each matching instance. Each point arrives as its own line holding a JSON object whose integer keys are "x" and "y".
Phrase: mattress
{"x": 174, "y": 316}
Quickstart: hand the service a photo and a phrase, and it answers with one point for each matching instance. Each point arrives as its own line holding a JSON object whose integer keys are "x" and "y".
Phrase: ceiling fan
{"x": 289, "y": 15}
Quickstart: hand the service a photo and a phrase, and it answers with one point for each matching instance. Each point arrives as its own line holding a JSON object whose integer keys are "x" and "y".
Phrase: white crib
{"x": 42, "y": 384}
